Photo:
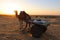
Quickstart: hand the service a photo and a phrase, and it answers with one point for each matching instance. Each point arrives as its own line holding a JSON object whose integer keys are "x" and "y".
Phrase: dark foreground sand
{"x": 9, "y": 30}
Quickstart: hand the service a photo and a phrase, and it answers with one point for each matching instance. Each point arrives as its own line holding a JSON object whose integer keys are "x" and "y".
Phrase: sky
{"x": 32, "y": 7}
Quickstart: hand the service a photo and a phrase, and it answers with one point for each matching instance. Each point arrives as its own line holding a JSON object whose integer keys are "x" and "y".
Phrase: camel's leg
{"x": 29, "y": 25}
{"x": 21, "y": 24}
{"x": 26, "y": 25}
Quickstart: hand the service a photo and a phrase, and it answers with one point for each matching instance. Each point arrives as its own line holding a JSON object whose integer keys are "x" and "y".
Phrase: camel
{"x": 23, "y": 17}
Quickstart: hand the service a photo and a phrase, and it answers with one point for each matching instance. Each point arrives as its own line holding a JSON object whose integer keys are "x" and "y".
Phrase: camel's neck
{"x": 16, "y": 13}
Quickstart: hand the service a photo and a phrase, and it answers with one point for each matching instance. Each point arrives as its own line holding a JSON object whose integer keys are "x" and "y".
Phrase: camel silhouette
{"x": 23, "y": 17}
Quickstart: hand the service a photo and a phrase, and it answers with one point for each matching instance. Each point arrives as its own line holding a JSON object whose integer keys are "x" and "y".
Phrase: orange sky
{"x": 37, "y": 7}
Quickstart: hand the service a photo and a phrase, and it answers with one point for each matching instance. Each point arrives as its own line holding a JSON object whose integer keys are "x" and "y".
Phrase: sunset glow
{"x": 8, "y": 9}
{"x": 32, "y": 7}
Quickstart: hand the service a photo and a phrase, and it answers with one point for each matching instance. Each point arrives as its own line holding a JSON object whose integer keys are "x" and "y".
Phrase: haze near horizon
{"x": 32, "y": 7}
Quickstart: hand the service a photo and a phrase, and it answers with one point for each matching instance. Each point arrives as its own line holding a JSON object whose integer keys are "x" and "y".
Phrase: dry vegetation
{"x": 9, "y": 29}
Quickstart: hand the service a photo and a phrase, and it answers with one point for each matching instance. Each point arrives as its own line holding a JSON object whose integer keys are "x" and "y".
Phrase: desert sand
{"x": 9, "y": 29}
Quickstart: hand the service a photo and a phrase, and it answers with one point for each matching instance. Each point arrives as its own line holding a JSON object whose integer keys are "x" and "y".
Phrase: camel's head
{"x": 15, "y": 11}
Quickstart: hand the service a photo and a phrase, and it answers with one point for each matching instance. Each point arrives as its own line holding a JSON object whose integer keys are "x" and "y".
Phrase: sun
{"x": 8, "y": 9}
